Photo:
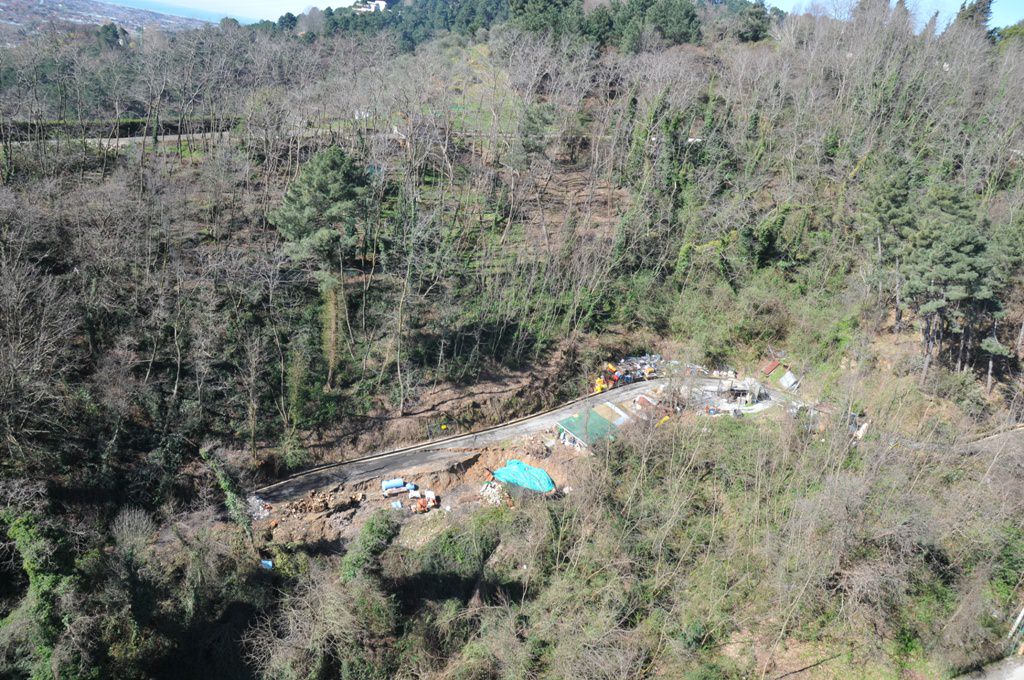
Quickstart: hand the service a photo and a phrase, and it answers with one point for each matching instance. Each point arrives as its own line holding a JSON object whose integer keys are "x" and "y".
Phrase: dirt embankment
{"x": 448, "y": 409}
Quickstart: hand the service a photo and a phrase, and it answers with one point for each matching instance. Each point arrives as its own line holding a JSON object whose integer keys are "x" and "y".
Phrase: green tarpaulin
{"x": 588, "y": 427}
{"x": 519, "y": 473}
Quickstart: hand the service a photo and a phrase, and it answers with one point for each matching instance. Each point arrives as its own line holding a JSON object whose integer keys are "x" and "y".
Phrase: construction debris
{"x": 425, "y": 504}
{"x": 257, "y": 508}
{"x": 780, "y": 372}
{"x": 493, "y": 493}
{"x": 789, "y": 381}
{"x": 320, "y": 501}
{"x": 395, "y": 487}
{"x": 315, "y": 501}
{"x": 627, "y": 371}
{"x": 516, "y": 471}
{"x": 422, "y": 500}
{"x": 389, "y": 484}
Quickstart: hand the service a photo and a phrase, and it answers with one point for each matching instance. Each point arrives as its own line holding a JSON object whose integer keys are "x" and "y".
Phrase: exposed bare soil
{"x": 334, "y": 515}
{"x": 564, "y": 196}
{"x": 447, "y": 409}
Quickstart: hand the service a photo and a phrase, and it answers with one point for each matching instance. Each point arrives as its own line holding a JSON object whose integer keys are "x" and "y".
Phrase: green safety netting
{"x": 519, "y": 473}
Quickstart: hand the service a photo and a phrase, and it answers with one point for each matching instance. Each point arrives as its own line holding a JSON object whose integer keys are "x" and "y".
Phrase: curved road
{"x": 452, "y": 449}
{"x": 449, "y": 449}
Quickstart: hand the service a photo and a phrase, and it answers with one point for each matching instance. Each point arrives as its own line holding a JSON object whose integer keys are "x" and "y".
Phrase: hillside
{"x": 300, "y": 322}
{"x": 20, "y": 19}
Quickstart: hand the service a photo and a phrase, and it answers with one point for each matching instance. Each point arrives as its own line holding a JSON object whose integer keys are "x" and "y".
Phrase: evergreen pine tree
{"x": 675, "y": 20}
{"x": 946, "y": 265}
{"x": 321, "y": 209}
{"x": 754, "y": 22}
{"x": 319, "y": 217}
{"x": 976, "y": 13}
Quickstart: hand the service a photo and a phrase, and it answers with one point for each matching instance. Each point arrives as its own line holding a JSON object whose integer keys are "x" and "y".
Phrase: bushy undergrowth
{"x": 682, "y": 550}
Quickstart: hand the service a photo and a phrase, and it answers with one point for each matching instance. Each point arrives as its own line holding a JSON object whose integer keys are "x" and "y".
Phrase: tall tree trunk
{"x": 928, "y": 342}
{"x": 330, "y": 333}
{"x": 960, "y": 351}
{"x": 878, "y": 243}
{"x": 252, "y": 411}
{"x": 988, "y": 382}
{"x": 398, "y": 340}
{"x": 899, "y": 307}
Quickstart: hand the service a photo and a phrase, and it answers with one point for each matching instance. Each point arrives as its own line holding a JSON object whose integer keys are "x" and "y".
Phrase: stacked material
{"x": 395, "y": 487}
{"x": 491, "y": 493}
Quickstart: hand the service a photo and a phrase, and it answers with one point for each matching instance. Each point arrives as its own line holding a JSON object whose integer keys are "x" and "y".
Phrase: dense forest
{"x": 232, "y": 253}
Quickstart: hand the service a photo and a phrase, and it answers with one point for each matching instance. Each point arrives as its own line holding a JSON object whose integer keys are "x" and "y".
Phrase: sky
{"x": 1004, "y": 12}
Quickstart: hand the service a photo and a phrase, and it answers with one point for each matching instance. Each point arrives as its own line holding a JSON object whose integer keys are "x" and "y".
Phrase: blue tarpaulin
{"x": 519, "y": 473}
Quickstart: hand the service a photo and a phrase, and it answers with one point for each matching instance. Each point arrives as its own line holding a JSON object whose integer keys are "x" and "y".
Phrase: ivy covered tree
{"x": 111, "y": 36}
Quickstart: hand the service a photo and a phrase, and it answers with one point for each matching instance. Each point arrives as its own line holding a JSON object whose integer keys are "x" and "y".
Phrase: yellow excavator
{"x": 607, "y": 379}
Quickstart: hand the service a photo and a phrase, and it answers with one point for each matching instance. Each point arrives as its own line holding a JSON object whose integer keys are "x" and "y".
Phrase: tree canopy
{"x": 321, "y": 208}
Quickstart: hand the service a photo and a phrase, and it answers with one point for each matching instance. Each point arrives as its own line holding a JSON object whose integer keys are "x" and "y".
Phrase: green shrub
{"x": 289, "y": 564}
{"x": 1010, "y": 565}
{"x": 459, "y": 552}
{"x": 711, "y": 670}
{"x": 232, "y": 499}
{"x": 45, "y": 562}
{"x": 374, "y": 538}
{"x": 294, "y": 454}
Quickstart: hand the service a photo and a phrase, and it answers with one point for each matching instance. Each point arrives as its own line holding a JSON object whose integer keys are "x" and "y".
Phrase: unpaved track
{"x": 440, "y": 451}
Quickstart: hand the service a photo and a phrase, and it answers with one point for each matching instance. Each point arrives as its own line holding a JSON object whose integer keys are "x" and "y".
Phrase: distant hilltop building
{"x": 371, "y": 6}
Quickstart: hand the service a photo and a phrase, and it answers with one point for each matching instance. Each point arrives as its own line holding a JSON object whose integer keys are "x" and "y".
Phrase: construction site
{"x": 539, "y": 455}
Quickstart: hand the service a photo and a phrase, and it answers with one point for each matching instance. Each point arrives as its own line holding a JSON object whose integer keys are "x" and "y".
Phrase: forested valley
{"x": 234, "y": 253}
